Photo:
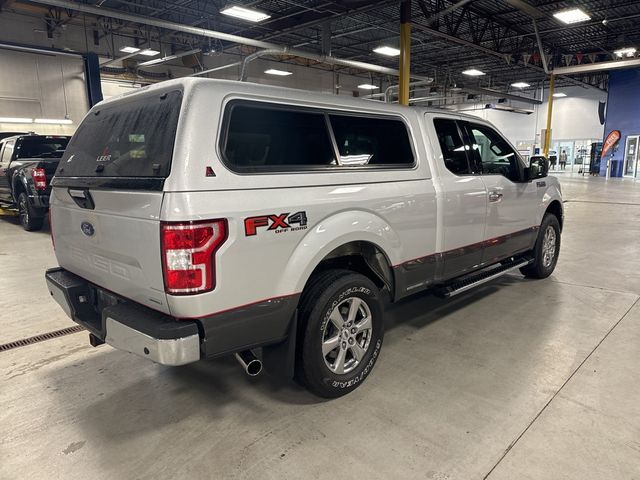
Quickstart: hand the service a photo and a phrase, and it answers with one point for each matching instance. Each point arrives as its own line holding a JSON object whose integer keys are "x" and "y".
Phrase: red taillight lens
{"x": 188, "y": 254}
{"x": 39, "y": 178}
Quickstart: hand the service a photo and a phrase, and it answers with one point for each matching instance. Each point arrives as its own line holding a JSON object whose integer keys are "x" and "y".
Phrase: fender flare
{"x": 19, "y": 178}
{"x": 331, "y": 233}
{"x": 550, "y": 196}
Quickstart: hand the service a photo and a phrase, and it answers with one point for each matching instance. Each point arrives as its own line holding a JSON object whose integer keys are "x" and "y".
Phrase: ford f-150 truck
{"x": 197, "y": 218}
{"x": 27, "y": 164}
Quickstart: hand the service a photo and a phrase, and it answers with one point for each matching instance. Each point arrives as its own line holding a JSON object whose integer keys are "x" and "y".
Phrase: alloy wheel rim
{"x": 549, "y": 247}
{"x": 347, "y": 336}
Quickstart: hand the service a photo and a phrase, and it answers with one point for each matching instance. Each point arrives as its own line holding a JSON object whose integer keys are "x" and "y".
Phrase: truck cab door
{"x": 464, "y": 202}
{"x": 5, "y": 158}
{"x": 512, "y": 202}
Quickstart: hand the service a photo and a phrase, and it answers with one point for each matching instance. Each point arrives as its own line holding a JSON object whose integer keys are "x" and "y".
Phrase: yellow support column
{"x": 405, "y": 51}
{"x": 547, "y": 137}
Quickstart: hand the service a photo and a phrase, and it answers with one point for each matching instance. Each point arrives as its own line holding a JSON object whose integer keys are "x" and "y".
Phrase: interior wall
{"x": 623, "y": 113}
{"x": 574, "y": 117}
{"x": 37, "y": 85}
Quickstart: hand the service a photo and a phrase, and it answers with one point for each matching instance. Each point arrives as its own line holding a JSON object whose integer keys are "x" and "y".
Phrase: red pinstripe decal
{"x": 280, "y": 297}
{"x": 474, "y": 246}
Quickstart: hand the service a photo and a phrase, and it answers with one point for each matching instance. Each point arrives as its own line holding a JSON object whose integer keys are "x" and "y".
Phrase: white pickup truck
{"x": 198, "y": 218}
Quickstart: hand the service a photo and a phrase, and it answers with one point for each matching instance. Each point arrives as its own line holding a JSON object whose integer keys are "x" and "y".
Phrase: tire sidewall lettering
{"x": 351, "y": 291}
{"x": 363, "y": 374}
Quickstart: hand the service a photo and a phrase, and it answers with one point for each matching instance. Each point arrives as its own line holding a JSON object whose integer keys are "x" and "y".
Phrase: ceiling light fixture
{"x": 473, "y": 72}
{"x": 368, "y": 86}
{"x": 520, "y": 85}
{"x": 245, "y": 14}
{"x": 149, "y": 52}
{"x": 559, "y": 95}
{"x": 574, "y": 15}
{"x": 281, "y": 73}
{"x": 15, "y": 120}
{"x": 388, "y": 51}
{"x": 53, "y": 121}
{"x": 625, "y": 52}
{"x": 129, "y": 49}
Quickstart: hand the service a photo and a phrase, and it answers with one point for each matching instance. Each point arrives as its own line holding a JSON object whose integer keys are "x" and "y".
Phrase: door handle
{"x": 495, "y": 196}
{"x": 82, "y": 198}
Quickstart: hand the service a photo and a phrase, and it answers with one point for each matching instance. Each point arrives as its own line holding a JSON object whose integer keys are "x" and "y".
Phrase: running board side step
{"x": 471, "y": 281}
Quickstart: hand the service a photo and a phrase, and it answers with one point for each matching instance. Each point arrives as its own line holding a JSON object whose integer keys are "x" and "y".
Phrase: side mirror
{"x": 538, "y": 167}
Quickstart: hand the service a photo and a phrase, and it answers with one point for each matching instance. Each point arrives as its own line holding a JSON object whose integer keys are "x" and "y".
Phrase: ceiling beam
{"x": 154, "y": 22}
{"x": 597, "y": 67}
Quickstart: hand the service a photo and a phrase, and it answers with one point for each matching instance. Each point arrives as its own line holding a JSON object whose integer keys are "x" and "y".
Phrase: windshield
{"x": 129, "y": 138}
{"x": 41, "y": 147}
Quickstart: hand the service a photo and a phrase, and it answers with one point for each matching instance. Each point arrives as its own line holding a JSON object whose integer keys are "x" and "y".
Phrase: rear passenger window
{"x": 371, "y": 141}
{"x": 263, "y": 138}
{"x": 452, "y": 146}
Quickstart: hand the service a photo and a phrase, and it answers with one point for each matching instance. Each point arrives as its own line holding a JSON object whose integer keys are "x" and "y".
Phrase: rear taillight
{"x": 188, "y": 255}
{"x": 39, "y": 178}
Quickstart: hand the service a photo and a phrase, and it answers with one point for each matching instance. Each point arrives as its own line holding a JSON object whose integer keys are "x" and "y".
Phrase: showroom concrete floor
{"x": 517, "y": 379}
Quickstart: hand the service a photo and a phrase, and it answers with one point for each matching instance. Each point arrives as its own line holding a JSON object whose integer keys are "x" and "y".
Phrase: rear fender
{"x": 331, "y": 233}
{"x": 18, "y": 184}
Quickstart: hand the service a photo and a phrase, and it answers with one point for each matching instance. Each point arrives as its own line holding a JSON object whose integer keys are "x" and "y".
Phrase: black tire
{"x": 543, "y": 266}
{"x": 28, "y": 219}
{"x": 327, "y": 291}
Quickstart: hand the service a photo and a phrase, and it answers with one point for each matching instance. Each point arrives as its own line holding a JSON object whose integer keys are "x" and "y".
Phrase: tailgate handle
{"x": 82, "y": 198}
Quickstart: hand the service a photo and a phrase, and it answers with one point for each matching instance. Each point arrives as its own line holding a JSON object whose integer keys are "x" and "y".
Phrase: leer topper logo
{"x": 275, "y": 222}
{"x": 105, "y": 156}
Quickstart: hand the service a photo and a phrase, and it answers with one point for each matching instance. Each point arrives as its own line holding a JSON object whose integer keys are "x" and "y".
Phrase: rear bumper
{"x": 124, "y": 325}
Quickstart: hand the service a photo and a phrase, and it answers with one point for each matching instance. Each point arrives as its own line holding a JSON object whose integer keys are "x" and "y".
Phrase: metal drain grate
{"x": 40, "y": 338}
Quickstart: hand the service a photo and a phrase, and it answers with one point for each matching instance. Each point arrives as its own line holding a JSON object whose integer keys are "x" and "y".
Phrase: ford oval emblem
{"x": 87, "y": 229}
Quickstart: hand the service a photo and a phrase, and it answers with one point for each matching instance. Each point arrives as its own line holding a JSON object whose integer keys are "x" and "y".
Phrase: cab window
{"x": 7, "y": 152}
{"x": 492, "y": 153}
{"x": 454, "y": 151}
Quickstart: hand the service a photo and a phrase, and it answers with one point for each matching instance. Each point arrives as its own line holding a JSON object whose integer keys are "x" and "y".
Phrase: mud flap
{"x": 280, "y": 359}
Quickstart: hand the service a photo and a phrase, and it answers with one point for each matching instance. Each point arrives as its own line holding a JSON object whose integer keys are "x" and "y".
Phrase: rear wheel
{"x": 342, "y": 332}
{"x": 546, "y": 249}
{"x": 28, "y": 220}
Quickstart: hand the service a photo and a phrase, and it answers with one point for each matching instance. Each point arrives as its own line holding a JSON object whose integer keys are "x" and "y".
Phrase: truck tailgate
{"x": 115, "y": 245}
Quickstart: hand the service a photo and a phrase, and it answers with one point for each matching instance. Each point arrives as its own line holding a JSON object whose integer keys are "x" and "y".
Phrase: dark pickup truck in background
{"x": 27, "y": 164}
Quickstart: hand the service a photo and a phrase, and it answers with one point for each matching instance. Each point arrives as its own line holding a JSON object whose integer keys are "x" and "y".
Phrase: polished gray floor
{"x": 517, "y": 379}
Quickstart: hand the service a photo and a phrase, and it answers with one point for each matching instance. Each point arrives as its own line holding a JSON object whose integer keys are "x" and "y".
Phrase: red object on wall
{"x": 610, "y": 141}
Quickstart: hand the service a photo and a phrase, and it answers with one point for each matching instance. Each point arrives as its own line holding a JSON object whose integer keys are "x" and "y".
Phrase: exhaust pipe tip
{"x": 249, "y": 362}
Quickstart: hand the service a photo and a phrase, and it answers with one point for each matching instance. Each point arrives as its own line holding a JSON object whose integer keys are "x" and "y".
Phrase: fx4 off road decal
{"x": 281, "y": 223}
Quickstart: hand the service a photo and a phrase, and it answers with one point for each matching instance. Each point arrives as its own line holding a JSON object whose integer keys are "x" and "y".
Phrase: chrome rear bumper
{"x": 175, "y": 351}
{"x": 125, "y": 325}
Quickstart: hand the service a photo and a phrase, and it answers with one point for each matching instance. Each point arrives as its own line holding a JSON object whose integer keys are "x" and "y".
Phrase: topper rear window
{"x": 125, "y": 139}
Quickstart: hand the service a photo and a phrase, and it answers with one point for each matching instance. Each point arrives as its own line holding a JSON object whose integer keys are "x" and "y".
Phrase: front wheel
{"x": 546, "y": 249}
{"x": 342, "y": 332}
{"x": 28, "y": 220}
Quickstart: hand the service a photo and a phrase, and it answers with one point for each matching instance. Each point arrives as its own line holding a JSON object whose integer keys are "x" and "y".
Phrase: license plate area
{"x": 99, "y": 300}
